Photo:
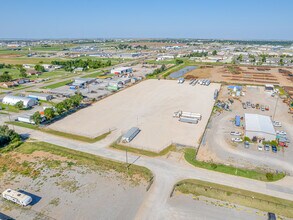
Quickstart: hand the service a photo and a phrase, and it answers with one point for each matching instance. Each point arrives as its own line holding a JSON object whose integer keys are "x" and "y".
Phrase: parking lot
{"x": 149, "y": 105}
{"x": 220, "y": 147}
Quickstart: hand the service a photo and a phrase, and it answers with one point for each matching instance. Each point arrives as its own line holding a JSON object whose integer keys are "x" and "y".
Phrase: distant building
{"x": 121, "y": 70}
{"x": 33, "y": 72}
{"x": 41, "y": 96}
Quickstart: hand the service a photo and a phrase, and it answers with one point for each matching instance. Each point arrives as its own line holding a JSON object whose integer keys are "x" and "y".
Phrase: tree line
{"x": 60, "y": 108}
{"x": 70, "y": 65}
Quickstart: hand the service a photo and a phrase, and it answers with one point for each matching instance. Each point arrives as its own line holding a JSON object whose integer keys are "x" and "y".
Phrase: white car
{"x": 281, "y": 133}
{"x": 277, "y": 124}
{"x": 259, "y": 147}
{"x": 236, "y": 139}
{"x": 235, "y": 133}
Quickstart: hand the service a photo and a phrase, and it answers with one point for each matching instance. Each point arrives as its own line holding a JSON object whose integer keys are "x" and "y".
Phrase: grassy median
{"x": 252, "y": 174}
{"x": 144, "y": 152}
{"x": 237, "y": 196}
{"x": 60, "y": 133}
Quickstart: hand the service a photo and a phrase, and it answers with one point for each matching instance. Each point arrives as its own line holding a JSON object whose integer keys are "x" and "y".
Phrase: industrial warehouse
{"x": 259, "y": 126}
{"x": 148, "y": 106}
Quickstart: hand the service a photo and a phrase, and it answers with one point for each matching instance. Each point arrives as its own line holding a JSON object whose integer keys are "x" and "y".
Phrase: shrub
{"x": 270, "y": 176}
{"x": 214, "y": 166}
{"x": 247, "y": 139}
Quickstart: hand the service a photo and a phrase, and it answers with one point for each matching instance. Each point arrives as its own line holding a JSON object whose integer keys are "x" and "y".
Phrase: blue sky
{"x": 225, "y": 19}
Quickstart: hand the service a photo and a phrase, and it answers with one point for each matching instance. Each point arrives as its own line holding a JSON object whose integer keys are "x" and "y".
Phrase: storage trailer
{"x": 130, "y": 135}
{"x": 188, "y": 120}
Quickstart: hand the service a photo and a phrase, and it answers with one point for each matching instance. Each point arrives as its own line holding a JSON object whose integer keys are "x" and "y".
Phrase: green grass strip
{"x": 252, "y": 174}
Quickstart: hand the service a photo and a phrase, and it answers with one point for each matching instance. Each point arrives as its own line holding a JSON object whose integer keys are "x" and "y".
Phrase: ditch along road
{"x": 166, "y": 173}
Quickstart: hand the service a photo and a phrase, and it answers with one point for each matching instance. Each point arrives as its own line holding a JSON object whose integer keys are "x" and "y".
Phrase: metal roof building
{"x": 259, "y": 126}
{"x": 12, "y": 100}
{"x": 41, "y": 96}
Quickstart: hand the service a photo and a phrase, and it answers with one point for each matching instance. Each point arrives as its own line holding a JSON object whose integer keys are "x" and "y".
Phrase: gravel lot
{"x": 75, "y": 192}
{"x": 148, "y": 105}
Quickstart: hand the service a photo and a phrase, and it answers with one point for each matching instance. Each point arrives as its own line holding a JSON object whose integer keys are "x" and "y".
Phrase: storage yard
{"x": 224, "y": 141}
{"x": 150, "y": 106}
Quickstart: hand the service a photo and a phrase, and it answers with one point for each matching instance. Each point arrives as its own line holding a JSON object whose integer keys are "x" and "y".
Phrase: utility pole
{"x": 10, "y": 118}
{"x": 275, "y": 108}
{"x": 126, "y": 160}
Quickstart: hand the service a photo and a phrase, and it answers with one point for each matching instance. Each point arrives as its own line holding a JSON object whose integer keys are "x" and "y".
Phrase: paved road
{"x": 167, "y": 173}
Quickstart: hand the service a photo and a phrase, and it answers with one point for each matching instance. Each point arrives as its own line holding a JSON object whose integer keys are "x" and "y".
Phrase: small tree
{"x": 49, "y": 113}
{"x": 60, "y": 108}
{"x": 37, "y": 118}
{"x": 39, "y": 68}
{"x": 22, "y": 72}
{"x": 67, "y": 104}
{"x": 178, "y": 61}
{"x": 214, "y": 53}
{"x": 19, "y": 105}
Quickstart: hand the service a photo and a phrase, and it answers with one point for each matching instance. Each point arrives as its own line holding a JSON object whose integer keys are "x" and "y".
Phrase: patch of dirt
{"x": 199, "y": 73}
{"x": 37, "y": 156}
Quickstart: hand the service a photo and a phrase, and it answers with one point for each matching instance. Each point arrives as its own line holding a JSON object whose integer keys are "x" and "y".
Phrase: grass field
{"x": 9, "y": 108}
{"x": 93, "y": 75}
{"x": 144, "y": 152}
{"x": 13, "y": 72}
{"x": 86, "y": 159}
{"x": 27, "y": 60}
{"x": 237, "y": 196}
{"x": 59, "y": 133}
{"x": 252, "y": 174}
{"x": 57, "y": 85}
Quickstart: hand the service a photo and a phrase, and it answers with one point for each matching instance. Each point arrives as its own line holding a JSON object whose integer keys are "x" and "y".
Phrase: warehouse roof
{"x": 259, "y": 123}
{"x": 12, "y": 100}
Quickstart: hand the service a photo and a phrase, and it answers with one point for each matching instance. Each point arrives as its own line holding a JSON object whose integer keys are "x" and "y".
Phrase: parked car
{"x": 277, "y": 124}
{"x": 257, "y": 106}
{"x": 281, "y": 133}
{"x": 267, "y": 108}
{"x": 259, "y": 147}
{"x": 236, "y": 140}
{"x": 267, "y": 147}
{"x": 274, "y": 149}
{"x": 252, "y": 105}
{"x": 235, "y": 133}
{"x": 244, "y": 105}
{"x": 262, "y": 108}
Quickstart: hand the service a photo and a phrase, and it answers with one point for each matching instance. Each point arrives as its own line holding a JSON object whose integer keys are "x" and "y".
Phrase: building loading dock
{"x": 259, "y": 126}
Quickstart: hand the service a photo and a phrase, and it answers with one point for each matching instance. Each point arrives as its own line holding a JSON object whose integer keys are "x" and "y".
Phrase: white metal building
{"x": 12, "y": 100}
{"x": 121, "y": 70}
{"x": 259, "y": 126}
